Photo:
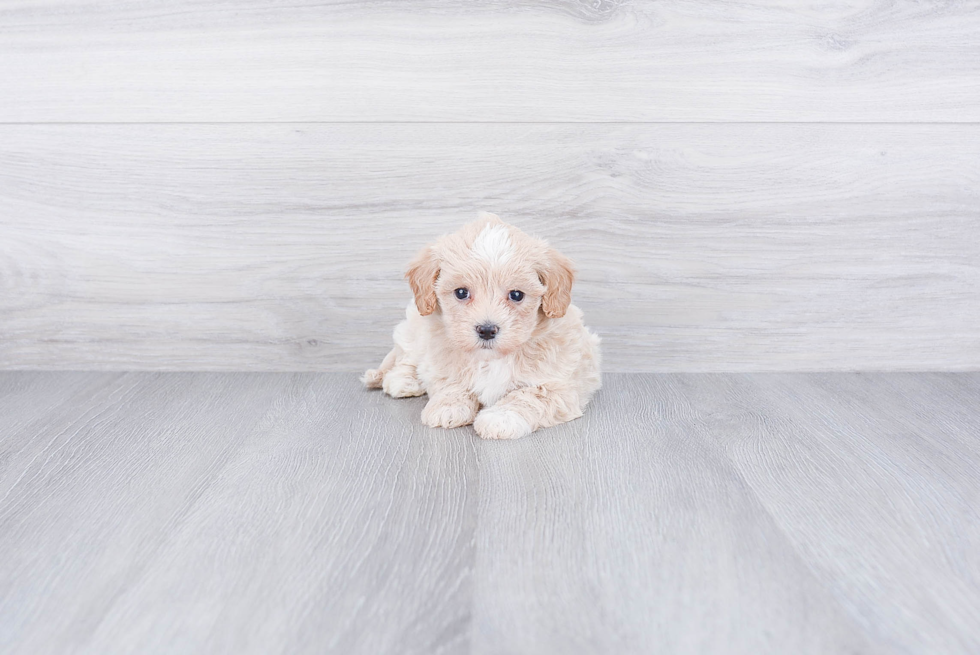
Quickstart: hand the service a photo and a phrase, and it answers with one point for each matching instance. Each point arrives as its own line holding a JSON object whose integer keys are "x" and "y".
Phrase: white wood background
{"x": 764, "y": 186}
{"x": 514, "y": 60}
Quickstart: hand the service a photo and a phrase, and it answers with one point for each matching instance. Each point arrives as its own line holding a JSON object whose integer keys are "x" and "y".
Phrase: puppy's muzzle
{"x": 487, "y": 331}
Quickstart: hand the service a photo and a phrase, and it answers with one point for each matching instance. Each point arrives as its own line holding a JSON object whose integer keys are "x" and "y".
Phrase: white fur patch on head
{"x": 493, "y": 244}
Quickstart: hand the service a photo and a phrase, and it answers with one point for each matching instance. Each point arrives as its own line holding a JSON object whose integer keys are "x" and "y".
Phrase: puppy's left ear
{"x": 557, "y": 273}
{"x": 422, "y": 274}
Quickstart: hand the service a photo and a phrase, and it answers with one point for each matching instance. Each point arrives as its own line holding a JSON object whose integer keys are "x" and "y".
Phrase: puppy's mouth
{"x": 486, "y": 345}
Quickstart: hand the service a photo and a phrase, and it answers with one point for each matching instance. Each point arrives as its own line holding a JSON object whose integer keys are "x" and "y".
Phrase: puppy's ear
{"x": 421, "y": 275}
{"x": 557, "y": 274}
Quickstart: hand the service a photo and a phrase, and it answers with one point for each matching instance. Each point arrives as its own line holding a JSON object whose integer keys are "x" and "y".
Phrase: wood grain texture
{"x": 700, "y": 247}
{"x": 627, "y": 532}
{"x": 241, "y": 513}
{"x": 508, "y": 60}
{"x": 322, "y": 505}
{"x": 874, "y": 479}
{"x": 91, "y": 495}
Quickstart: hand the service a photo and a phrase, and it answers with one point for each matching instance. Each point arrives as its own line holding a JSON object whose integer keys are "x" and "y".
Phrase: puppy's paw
{"x": 501, "y": 423}
{"x": 441, "y": 414}
{"x": 372, "y": 378}
{"x": 401, "y": 384}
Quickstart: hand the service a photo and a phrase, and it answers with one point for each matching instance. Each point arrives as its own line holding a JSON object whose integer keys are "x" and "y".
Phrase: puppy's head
{"x": 492, "y": 284}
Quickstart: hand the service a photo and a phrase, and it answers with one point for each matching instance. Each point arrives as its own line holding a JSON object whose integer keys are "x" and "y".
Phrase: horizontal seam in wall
{"x": 39, "y": 123}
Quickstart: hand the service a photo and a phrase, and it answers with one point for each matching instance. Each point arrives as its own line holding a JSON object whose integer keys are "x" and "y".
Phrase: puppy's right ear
{"x": 422, "y": 274}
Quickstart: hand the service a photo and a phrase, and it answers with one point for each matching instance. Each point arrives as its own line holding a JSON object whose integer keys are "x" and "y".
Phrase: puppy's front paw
{"x": 500, "y": 423}
{"x": 442, "y": 414}
{"x": 372, "y": 378}
{"x": 399, "y": 384}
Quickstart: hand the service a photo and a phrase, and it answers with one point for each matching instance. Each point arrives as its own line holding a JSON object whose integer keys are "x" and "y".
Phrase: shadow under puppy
{"x": 491, "y": 335}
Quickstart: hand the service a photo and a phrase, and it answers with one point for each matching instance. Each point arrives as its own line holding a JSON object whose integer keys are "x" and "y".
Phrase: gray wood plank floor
{"x": 722, "y": 513}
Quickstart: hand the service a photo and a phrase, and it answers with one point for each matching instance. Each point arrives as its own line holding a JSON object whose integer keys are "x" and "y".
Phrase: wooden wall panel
{"x": 281, "y": 247}
{"x": 506, "y": 60}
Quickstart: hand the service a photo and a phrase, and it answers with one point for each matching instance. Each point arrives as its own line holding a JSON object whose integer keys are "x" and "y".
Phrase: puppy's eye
{"x": 516, "y": 296}
{"x": 462, "y": 294}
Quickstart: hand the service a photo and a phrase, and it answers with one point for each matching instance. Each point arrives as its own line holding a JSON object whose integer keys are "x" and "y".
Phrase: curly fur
{"x": 540, "y": 370}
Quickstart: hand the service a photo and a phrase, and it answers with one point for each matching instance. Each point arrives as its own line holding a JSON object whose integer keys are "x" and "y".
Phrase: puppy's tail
{"x": 373, "y": 377}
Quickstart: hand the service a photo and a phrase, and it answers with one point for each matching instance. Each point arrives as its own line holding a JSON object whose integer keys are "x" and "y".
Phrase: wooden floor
{"x": 261, "y": 513}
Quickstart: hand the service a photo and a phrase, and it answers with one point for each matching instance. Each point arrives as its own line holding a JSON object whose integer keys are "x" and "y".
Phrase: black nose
{"x": 487, "y": 331}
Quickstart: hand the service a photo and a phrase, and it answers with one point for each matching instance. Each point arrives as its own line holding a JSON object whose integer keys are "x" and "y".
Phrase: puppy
{"x": 491, "y": 335}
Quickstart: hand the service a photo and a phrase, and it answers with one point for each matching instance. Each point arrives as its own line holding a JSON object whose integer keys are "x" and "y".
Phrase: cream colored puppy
{"x": 491, "y": 335}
